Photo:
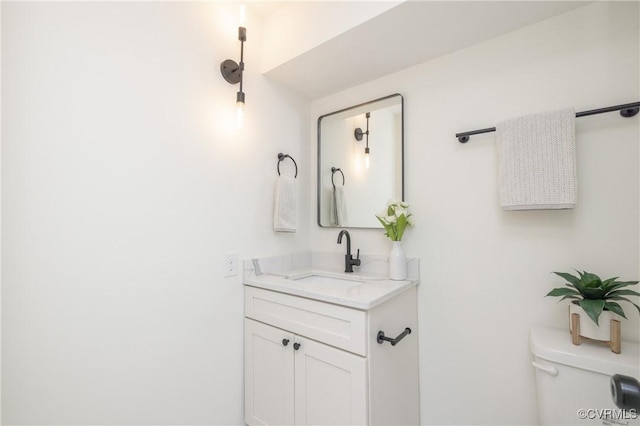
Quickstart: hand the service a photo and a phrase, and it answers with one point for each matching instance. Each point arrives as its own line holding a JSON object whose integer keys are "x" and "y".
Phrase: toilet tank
{"x": 573, "y": 383}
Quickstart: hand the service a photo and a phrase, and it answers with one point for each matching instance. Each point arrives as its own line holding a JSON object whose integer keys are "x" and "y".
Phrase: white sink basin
{"x": 317, "y": 279}
{"x": 346, "y": 289}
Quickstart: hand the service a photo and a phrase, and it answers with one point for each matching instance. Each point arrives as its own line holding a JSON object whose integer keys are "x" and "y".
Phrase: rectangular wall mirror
{"x": 360, "y": 162}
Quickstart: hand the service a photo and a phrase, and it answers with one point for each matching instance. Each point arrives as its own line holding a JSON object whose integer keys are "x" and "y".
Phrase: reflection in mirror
{"x": 360, "y": 162}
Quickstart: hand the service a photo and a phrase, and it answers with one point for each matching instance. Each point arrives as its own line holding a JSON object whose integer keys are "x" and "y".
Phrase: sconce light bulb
{"x": 242, "y": 16}
{"x": 366, "y": 158}
{"x": 239, "y": 115}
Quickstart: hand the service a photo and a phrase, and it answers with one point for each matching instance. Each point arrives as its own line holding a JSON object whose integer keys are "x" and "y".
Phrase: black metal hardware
{"x": 282, "y": 157}
{"x": 233, "y": 71}
{"x": 381, "y": 337}
{"x": 358, "y": 134}
{"x": 626, "y": 110}
{"x": 349, "y": 261}
{"x": 296, "y": 346}
{"x": 285, "y": 342}
{"x": 333, "y": 172}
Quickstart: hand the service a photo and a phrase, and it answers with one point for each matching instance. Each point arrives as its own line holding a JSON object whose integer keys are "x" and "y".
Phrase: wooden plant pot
{"x": 583, "y": 327}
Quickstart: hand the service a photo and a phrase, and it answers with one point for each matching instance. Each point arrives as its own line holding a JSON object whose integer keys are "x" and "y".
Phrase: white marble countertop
{"x": 365, "y": 288}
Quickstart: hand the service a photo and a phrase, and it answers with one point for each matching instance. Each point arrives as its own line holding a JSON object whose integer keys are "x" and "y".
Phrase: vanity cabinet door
{"x": 330, "y": 385}
{"x": 269, "y": 368}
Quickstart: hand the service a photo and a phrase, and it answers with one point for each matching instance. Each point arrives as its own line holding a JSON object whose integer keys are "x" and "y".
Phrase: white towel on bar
{"x": 537, "y": 161}
{"x": 284, "y": 211}
{"x": 338, "y": 216}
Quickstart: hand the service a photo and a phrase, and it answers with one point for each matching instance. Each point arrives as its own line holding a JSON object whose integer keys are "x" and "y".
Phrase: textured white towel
{"x": 537, "y": 161}
{"x": 338, "y": 216}
{"x": 284, "y": 210}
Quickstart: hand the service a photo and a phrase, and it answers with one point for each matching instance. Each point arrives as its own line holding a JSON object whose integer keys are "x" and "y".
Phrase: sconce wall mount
{"x": 359, "y": 134}
{"x": 233, "y": 72}
{"x": 230, "y": 69}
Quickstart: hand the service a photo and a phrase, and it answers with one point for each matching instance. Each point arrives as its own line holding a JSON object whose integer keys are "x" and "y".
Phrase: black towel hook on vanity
{"x": 333, "y": 172}
{"x": 281, "y": 157}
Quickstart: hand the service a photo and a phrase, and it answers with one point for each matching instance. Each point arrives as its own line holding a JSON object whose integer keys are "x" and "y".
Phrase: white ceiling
{"x": 406, "y": 35}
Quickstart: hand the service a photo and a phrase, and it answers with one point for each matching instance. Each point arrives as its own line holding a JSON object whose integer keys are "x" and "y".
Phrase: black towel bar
{"x": 381, "y": 337}
{"x": 626, "y": 110}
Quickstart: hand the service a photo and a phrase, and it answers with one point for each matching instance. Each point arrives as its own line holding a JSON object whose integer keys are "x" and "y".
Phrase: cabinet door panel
{"x": 269, "y": 372}
{"x": 330, "y": 385}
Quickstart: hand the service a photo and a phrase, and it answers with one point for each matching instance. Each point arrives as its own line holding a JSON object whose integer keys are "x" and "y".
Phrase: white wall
{"x": 484, "y": 271}
{"x": 298, "y": 26}
{"x": 0, "y": 217}
{"x": 123, "y": 186}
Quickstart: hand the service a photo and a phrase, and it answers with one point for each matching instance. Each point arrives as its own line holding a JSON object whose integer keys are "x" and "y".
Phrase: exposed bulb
{"x": 366, "y": 158}
{"x": 239, "y": 108}
{"x": 239, "y": 115}
{"x": 242, "y": 17}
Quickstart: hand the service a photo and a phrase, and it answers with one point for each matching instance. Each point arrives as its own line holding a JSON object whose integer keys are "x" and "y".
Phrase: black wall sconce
{"x": 358, "y": 133}
{"x": 233, "y": 73}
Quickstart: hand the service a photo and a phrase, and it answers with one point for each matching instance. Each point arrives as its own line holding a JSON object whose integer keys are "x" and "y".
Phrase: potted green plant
{"x": 597, "y": 298}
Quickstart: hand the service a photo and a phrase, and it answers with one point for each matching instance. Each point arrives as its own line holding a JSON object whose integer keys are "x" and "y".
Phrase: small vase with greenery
{"x": 595, "y": 295}
{"x": 395, "y": 219}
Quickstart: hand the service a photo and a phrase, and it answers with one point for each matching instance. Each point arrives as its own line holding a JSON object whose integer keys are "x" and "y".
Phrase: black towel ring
{"x": 333, "y": 172}
{"x": 281, "y": 157}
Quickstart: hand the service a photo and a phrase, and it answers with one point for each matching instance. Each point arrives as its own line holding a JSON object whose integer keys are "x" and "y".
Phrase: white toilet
{"x": 573, "y": 383}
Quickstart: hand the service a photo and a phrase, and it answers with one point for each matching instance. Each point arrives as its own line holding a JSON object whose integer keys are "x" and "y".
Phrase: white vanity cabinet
{"x": 293, "y": 380}
{"x": 312, "y": 362}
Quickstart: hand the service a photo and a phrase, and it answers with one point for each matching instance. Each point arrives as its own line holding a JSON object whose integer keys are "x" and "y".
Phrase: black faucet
{"x": 349, "y": 261}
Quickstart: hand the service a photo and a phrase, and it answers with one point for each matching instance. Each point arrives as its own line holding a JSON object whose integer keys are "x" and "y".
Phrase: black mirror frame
{"x": 318, "y": 174}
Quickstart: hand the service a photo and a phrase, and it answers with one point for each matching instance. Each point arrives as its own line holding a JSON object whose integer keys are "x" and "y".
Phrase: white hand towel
{"x": 284, "y": 211}
{"x": 338, "y": 207}
{"x": 537, "y": 161}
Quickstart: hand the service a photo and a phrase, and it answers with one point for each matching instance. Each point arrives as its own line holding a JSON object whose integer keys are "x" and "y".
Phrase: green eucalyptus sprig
{"x": 395, "y": 219}
{"x": 595, "y": 295}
